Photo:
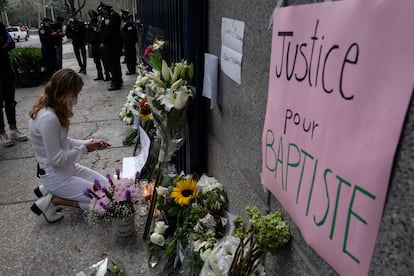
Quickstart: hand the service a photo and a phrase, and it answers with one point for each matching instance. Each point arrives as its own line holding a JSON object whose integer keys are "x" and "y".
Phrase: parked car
{"x": 17, "y": 33}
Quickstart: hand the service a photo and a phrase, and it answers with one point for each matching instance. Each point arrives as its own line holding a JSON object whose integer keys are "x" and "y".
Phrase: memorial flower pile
{"x": 136, "y": 103}
{"x": 161, "y": 96}
{"x": 154, "y": 53}
{"x": 192, "y": 219}
{"x": 249, "y": 243}
{"x": 168, "y": 93}
{"x": 115, "y": 200}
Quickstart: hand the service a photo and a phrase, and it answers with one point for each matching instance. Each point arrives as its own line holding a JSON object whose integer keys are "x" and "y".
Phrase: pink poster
{"x": 341, "y": 78}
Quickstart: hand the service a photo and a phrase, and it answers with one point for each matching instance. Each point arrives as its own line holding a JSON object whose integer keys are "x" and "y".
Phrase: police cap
{"x": 124, "y": 12}
{"x": 102, "y": 5}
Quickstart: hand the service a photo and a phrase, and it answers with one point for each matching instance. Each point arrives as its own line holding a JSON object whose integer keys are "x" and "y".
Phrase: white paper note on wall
{"x": 232, "y": 33}
{"x": 231, "y": 63}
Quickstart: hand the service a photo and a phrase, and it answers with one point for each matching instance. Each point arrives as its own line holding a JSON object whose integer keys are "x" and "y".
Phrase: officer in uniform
{"x": 76, "y": 31}
{"x": 101, "y": 32}
{"x": 48, "y": 46}
{"x": 92, "y": 38}
{"x": 58, "y": 35}
{"x": 112, "y": 44}
{"x": 129, "y": 39}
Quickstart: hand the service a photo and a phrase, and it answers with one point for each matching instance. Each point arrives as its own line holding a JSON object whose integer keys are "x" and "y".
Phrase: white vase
{"x": 123, "y": 227}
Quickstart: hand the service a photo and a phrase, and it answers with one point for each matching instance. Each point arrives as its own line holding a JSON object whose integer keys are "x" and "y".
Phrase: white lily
{"x": 177, "y": 71}
{"x": 165, "y": 71}
{"x": 177, "y": 84}
{"x": 191, "y": 71}
{"x": 176, "y": 99}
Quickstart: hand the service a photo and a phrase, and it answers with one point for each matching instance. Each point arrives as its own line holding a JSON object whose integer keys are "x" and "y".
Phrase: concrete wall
{"x": 235, "y": 129}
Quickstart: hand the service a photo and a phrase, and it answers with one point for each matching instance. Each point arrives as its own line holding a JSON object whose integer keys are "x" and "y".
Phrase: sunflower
{"x": 184, "y": 192}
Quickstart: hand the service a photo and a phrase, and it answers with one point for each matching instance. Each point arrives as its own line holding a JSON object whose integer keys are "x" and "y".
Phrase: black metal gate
{"x": 182, "y": 24}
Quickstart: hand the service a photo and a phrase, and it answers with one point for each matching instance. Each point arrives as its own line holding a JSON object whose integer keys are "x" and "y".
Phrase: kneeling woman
{"x": 63, "y": 180}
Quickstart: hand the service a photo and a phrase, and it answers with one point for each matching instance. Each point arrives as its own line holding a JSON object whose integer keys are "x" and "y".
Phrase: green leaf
{"x": 171, "y": 247}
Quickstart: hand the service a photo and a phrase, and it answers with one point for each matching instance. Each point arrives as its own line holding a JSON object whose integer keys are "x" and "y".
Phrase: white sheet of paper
{"x": 231, "y": 63}
{"x": 210, "y": 78}
{"x": 232, "y": 32}
{"x": 130, "y": 165}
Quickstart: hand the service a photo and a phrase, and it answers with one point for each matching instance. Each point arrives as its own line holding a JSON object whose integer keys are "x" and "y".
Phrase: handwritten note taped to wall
{"x": 340, "y": 81}
{"x": 232, "y": 32}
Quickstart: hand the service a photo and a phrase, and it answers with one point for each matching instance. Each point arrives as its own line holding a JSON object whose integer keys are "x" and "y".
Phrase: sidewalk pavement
{"x": 29, "y": 244}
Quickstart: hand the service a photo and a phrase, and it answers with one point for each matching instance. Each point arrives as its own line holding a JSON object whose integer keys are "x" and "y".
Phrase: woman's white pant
{"x": 70, "y": 184}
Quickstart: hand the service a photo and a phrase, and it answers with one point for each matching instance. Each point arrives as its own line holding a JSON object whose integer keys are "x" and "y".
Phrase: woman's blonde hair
{"x": 62, "y": 84}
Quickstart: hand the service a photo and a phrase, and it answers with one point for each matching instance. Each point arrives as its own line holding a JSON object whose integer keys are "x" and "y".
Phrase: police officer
{"x": 112, "y": 44}
{"x": 92, "y": 38}
{"x": 58, "y": 35}
{"x": 129, "y": 39}
{"x": 76, "y": 31}
{"x": 48, "y": 46}
{"x": 101, "y": 32}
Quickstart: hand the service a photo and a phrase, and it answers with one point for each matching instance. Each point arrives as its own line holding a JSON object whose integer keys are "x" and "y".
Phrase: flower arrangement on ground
{"x": 161, "y": 96}
{"x": 193, "y": 219}
{"x": 168, "y": 93}
{"x": 115, "y": 200}
{"x": 154, "y": 53}
{"x": 244, "y": 251}
{"x": 136, "y": 110}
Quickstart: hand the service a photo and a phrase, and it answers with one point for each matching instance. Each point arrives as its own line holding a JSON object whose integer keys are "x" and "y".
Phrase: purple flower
{"x": 137, "y": 175}
{"x": 128, "y": 195}
{"x": 118, "y": 173}
{"x": 96, "y": 185}
{"x": 110, "y": 179}
{"x": 87, "y": 193}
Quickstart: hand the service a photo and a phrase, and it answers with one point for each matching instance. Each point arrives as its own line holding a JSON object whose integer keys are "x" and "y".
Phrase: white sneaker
{"x": 5, "y": 141}
{"x": 17, "y": 135}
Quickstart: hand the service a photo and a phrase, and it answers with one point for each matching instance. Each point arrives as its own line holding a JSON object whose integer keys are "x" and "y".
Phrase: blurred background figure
{"x": 58, "y": 35}
{"x": 7, "y": 91}
{"x": 92, "y": 38}
{"x": 76, "y": 31}
{"x": 48, "y": 46}
{"x": 112, "y": 44}
{"x": 129, "y": 40}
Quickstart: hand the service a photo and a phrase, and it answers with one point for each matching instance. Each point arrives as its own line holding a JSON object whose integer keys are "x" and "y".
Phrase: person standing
{"x": 129, "y": 39}
{"x": 76, "y": 31}
{"x": 112, "y": 44}
{"x": 48, "y": 46}
{"x": 62, "y": 177}
{"x": 7, "y": 91}
{"x": 58, "y": 35}
{"x": 92, "y": 38}
{"x": 101, "y": 32}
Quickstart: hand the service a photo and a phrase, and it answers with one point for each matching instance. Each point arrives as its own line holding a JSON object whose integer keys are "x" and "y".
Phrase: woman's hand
{"x": 97, "y": 145}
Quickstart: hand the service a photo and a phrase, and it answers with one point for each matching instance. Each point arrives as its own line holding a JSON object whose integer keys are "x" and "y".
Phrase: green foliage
{"x": 262, "y": 235}
{"x": 3, "y": 5}
{"x": 27, "y": 63}
{"x": 25, "y": 59}
{"x": 129, "y": 139}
